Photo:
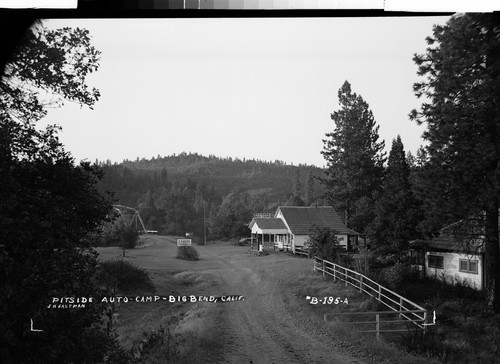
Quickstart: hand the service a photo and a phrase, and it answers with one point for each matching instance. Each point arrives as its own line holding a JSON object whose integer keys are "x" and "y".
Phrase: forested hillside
{"x": 172, "y": 192}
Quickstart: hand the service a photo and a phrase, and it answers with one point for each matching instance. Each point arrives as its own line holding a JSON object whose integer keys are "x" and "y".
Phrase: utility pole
{"x": 204, "y": 220}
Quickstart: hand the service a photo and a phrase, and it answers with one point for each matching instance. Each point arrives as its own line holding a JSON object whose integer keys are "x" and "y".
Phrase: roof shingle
{"x": 302, "y": 220}
{"x": 268, "y": 223}
{"x": 464, "y": 236}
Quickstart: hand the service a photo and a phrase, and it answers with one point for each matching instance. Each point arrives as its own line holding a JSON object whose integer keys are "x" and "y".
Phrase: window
{"x": 468, "y": 266}
{"x": 436, "y": 261}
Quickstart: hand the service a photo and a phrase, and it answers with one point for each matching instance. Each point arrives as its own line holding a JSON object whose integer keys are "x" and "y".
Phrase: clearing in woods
{"x": 269, "y": 326}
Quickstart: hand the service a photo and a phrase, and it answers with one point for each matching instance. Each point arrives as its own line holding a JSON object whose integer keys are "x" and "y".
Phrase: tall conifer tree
{"x": 397, "y": 210}
{"x": 309, "y": 189}
{"x": 355, "y": 160}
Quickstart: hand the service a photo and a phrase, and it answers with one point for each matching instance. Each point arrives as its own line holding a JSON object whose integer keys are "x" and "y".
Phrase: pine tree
{"x": 355, "y": 160}
{"x": 309, "y": 190}
{"x": 295, "y": 198}
{"x": 396, "y": 209}
{"x": 297, "y": 185}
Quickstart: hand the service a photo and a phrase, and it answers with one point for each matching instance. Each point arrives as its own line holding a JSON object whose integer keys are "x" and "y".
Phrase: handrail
{"x": 379, "y": 292}
{"x": 378, "y": 329}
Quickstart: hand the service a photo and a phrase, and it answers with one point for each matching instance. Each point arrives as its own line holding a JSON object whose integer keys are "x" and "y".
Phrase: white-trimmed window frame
{"x": 468, "y": 270}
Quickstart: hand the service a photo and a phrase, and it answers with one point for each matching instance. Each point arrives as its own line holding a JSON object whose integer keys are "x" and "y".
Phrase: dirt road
{"x": 262, "y": 328}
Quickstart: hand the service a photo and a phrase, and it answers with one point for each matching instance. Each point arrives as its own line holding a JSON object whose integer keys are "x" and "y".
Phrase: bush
{"x": 129, "y": 237}
{"x": 399, "y": 275}
{"x": 187, "y": 253}
{"x": 324, "y": 244}
{"x": 124, "y": 276}
{"x": 118, "y": 233}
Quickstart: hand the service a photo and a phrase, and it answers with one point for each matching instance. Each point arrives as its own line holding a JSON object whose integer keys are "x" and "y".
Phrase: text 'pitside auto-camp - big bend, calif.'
{"x": 81, "y": 302}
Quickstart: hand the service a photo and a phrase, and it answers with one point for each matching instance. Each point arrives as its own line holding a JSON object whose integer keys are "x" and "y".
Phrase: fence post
{"x": 324, "y": 267}
{"x": 400, "y": 307}
{"x": 334, "y": 273}
{"x": 379, "y": 293}
{"x": 345, "y": 276}
{"x": 360, "y": 283}
{"x": 424, "y": 326}
{"x": 377, "y": 324}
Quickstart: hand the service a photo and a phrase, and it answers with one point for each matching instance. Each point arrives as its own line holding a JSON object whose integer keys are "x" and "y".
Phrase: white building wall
{"x": 255, "y": 229}
{"x": 451, "y": 269}
{"x": 300, "y": 240}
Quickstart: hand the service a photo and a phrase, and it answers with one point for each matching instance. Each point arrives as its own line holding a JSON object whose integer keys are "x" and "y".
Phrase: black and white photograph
{"x": 231, "y": 187}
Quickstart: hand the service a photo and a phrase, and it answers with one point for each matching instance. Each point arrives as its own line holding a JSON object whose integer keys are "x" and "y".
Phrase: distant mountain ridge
{"x": 131, "y": 179}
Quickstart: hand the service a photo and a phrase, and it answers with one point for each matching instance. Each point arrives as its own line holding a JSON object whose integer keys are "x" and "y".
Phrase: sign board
{"x": 183, "y": 242}
{"x": 264, "y": 215}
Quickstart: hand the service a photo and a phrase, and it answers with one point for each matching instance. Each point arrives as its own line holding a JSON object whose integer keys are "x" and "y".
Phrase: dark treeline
{"x": 174, "y": 193}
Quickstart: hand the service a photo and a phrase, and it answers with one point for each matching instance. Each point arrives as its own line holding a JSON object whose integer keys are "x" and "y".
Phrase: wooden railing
{"x": 301, "y": 251}
{"x": 405, "y": 308}
{"x": 378, "y": 322}
{"x": 284, "y": 246}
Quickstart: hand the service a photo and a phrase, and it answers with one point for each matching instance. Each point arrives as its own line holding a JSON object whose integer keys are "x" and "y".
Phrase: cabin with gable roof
{"x": 291, "y": 227}
{"x": 455, "y": 255}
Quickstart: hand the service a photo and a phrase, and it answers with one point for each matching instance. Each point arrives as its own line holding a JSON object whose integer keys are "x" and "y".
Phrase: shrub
{"x": 118, "y": 233}
{"x": 429, "y": 343}
{"x": 151, "y": 339}
{"x": 399, "y": 275}
{"x": 129, "y": 237}
{"x": 187, "y": 253}
{"x": 324, "y": 244}
{"x": 124, "y": 276}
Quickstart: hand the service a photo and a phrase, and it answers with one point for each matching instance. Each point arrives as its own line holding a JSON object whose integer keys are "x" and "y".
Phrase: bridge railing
{"x": 406, "y": 309}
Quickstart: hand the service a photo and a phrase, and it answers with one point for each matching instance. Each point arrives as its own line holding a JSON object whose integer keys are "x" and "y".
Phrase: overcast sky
{"x": 249, "y": 88}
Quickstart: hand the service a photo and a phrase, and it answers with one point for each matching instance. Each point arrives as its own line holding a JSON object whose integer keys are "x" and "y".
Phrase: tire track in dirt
{"x": 260, "y": 329}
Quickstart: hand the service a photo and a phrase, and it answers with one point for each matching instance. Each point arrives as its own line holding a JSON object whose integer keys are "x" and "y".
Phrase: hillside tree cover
{"x": 355, "y": 160}
{"x": 49, "y": 207}
{"x": 309, "y": 193}
{"x": 233, "y": 216}
{"x": 175, "y": 193}
{"x": 295, "y": 198}
{"x": 461, "y": 67}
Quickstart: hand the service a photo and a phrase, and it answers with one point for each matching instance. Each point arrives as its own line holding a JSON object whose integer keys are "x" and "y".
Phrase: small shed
{"x": 455, "y": 255}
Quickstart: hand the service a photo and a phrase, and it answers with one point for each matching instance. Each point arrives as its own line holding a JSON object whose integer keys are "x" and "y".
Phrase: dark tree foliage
{"x": 297, "y": 185}
{"x": 48, "y": 67}
{"x": 120, "y": 276}
{"x": 233, "y": 216}
{"x": 180, "y": 216}
{"x": 309, "y": 193}
{"x": 295, "y": 198}
{"x": 117, "y": 232}
{"x": 462, "y": 83}
{"x": 397, "y": 210}
{"x": 323, "y": 244}
{"x": 129, "y": 237}
{"x": 354, "y": 159}
{"x": 187, "y": 253}
{"x": 49, "y": 209}
{"x": 173, "y": 194}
